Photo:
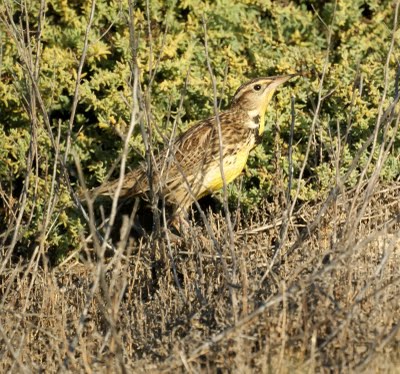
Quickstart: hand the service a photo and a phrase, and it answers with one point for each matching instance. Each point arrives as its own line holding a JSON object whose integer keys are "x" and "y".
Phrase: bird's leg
{"x": 179, "y": 222}
{"x": 177, "y": 226}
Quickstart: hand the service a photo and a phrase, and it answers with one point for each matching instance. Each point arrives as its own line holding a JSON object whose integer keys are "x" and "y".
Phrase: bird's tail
{"x": 133, "y": 184}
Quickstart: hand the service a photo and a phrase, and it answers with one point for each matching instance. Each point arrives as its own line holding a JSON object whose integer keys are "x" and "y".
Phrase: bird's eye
{"x": 257, "y": 87}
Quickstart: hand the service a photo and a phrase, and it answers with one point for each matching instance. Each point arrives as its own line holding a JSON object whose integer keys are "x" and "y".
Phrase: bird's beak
{"x": 276, "y": 82}
{"x": 281, "y": 79}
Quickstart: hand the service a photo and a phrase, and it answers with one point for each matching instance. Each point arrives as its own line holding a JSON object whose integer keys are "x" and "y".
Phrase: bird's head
{"x": 254, "y": 96}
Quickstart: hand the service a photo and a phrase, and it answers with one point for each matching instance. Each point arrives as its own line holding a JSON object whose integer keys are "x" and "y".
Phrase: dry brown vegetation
{"x": 290, "y": 287}
{"x": 332, "y": 303}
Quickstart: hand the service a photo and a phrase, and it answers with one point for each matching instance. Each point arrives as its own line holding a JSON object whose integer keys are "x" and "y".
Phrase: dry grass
{"x": 332, "y": 304}
{"x": 307, "y": 288}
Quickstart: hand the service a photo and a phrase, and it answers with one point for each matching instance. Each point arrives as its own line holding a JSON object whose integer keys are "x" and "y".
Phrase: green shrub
{"x": 246, "y": 39}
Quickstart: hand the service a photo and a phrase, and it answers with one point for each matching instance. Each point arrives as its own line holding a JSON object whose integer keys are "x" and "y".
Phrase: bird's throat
{"x": 263, "y": 109}
{"x": 261, "y": 126}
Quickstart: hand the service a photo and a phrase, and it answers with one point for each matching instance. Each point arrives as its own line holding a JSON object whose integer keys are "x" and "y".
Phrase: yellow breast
{"x": 233, "y": 165}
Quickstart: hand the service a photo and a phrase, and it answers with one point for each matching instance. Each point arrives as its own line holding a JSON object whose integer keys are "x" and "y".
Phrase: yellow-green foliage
{"x": 246, "y": 38}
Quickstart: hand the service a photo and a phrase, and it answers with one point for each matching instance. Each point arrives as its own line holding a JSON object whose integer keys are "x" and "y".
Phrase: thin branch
{"x": 78, "y": 81}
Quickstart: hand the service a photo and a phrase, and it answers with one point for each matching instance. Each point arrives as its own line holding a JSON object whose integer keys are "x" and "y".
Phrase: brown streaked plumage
{"x": 190, "y": 168}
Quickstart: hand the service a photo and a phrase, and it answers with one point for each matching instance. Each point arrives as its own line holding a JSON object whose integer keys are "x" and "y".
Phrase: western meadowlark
{"x": 190, "y": 167}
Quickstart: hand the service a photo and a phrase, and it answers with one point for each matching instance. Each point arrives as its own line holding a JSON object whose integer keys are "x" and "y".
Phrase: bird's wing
{"x": 195, "y": 150}
{"x": 180, "y": 162}
{"x": 183, "y": 162}
{"x": 184, "y": 155}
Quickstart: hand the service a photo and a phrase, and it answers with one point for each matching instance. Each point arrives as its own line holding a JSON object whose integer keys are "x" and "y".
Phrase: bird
{"x": 189, "y": 168}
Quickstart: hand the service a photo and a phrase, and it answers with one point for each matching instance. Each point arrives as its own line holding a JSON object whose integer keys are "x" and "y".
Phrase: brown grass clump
{"x": 330, "y": 302}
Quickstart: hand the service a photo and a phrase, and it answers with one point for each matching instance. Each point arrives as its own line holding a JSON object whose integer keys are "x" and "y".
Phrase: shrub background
{"x": 246, "y": 39}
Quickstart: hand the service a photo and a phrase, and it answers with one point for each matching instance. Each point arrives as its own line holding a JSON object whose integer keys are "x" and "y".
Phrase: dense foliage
{"x": 349, "y": 41}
